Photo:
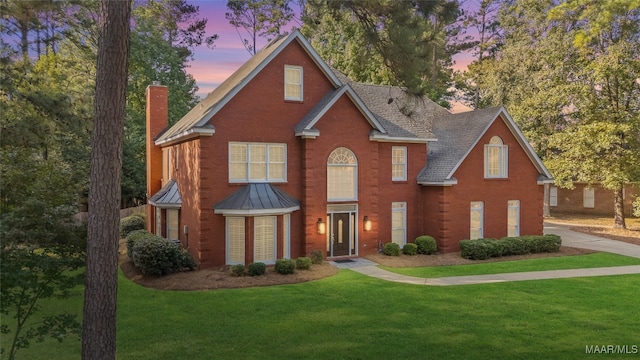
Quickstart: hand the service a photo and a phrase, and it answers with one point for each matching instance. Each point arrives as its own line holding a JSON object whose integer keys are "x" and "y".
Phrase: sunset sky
{"x": 210, "y": 67}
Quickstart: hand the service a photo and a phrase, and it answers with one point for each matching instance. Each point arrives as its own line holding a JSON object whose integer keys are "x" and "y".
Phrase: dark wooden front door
{"x": 340, "y": 234}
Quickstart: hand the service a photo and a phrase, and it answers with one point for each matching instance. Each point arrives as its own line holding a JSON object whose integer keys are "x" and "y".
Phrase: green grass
{"x": 553, "y": 263}
{"x": 351, "y": 316}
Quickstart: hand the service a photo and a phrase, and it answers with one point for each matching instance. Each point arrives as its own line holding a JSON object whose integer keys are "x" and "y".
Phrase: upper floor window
{"x": 342, "y": 175}
{"x": 496, "y": 159}
{"x": 399, "y": 163}
{"x": 257, "y": 162}
{"x": 293, "y": 82}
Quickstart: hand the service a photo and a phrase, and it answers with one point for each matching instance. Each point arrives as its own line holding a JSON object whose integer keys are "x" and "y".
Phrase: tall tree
{"x": 160, "y": 51}
{"x": 101, "y": 284}
{"x": 568, "y": 75}
{"x": 406, "y": 38}
{"x": 258, "y": 18}
{"x": 480, "y": 35}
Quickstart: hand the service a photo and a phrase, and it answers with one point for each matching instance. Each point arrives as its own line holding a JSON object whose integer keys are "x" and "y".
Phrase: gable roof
{"x": 458, "y": 134}
{"x": 194, "y": 123}
{"x": 306, "y": 126}
{"x": 257, "y": 199}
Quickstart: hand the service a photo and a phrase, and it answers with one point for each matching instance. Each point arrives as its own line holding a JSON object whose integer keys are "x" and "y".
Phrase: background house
{"x": 591, "y": 200}
{"x": 288, "y": 156}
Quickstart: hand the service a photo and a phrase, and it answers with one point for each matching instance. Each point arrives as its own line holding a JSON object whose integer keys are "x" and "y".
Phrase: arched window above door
{"x": 342, "y": 175}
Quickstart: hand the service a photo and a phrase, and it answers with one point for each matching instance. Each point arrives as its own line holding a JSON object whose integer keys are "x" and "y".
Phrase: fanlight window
{"x": 342, "y": 175}
{"x": 496, "y": 159}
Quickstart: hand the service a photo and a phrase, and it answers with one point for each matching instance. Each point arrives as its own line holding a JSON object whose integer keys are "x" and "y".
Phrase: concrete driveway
{"x": 586, "y": 241}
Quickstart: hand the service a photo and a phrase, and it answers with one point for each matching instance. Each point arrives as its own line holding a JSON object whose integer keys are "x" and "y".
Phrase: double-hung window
{"x": 513, "y": 218}
{"x": 588, "y": 198}
{"x": 342, "y": 175}
{"x": 257, "y": 162}
{"x": 293, "y": 83}
{"x": 399, "y": 223}
{"x": 476, "y": 228}
{"x": 399, "y": 163}
{"x": 496, "y": 159}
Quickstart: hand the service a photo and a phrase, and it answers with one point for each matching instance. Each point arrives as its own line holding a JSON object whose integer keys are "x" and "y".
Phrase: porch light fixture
{"x": 367, "y": 223}
{"x": 322, "y": 227}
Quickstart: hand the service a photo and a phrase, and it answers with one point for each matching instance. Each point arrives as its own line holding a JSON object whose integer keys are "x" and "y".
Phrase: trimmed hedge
{"x": 131, "y": 223}
{"x": 316, "y": 257}
{"x": 257, "y": 269}
{"x": 303, "y": 263}
{"x": 481, "y": 249}
{"x": 154, "y": 255}
{"x": 285, "y": 266}
{"x": 410, "y": 249}
{"x": 391, "y": 249}
{"x": 426, "y": 245}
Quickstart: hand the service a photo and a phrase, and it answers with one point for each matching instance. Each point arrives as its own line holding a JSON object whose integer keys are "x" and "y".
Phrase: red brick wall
{"x": 571, "y": 201}
{"x": 452, "y": 209}
{"x": 157, "y": 114}
{"x": 258, "y": 113}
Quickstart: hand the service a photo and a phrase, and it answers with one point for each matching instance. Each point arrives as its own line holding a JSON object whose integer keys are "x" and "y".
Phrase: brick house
{"x": 590, "y": 199}
{"x": 288, "y": 156}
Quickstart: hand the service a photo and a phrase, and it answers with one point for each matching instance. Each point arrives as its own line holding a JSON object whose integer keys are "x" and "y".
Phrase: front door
{"x": 341, "y": 234}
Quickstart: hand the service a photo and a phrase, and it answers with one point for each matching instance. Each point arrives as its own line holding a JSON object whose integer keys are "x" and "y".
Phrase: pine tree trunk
{"x": 99, "y": 312}
{"x": 618, "y": 210}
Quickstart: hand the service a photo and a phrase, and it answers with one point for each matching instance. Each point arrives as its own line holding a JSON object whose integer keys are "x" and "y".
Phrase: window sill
{"x": 293, "y": 101}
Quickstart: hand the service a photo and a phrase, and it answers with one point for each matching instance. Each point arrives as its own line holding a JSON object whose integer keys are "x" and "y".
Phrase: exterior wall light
{"x": 322, "y": 227}
{"x": 367, "y": 224}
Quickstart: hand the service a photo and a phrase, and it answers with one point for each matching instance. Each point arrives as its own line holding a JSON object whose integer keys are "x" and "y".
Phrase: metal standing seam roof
{"x": 258, "y": 198}
{"x": 167, "y": 197}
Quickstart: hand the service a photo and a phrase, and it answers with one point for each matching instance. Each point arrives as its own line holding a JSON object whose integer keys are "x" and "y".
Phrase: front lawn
{"x": 552, "y": 263}
{"x": 351, "y": 316}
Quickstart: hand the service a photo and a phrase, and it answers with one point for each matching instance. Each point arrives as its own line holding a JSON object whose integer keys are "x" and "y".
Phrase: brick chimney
{"x": 157, "y": 121}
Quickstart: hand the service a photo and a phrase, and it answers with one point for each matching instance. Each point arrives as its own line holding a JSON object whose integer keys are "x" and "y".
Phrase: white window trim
{"x": 553, "y": 196}
{"x": 400, "y": 207}
{"x": 248, "y": 163}
{"x": 227, "y": 232}
{"x": 273, "y": 241}
{"x": 286, "y": 234}
{"x": 588, "y": 198}
{"x": 169, "y": 213}
{"x": 479, "y": 209}
{"x": 503, "y": 159}
{"x": 301, "y": 84}
{"x": 404, "y": 163}
{"x": 513, "y": 205}
{"x": 355, "y": 176}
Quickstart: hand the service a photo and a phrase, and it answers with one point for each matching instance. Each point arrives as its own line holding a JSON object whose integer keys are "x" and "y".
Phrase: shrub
{"x": 237, "y": 270}
{"x": 391, "y": 249}
{"x": 481, "y": 249}
{"x": 141, "y": 215}
{"x": 131, "y": 223}
{"x": 156, "y": 256}
{"x": 316, "y": 257}
{"x": 257, "y": 269}
{"x": 133, "y": 237}
{"x": 303, "y": 263}
{"x": 285, "y": 266}
{"x": 474, "y": 249}
{"x": 426, "y": 244}
{"x": 410, "y": 249}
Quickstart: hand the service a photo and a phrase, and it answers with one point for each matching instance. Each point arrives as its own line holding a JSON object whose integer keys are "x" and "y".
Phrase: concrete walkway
{"x": 569, "y": 238}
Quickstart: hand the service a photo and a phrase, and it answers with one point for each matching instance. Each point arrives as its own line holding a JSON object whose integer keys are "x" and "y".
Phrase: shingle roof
{"x": 457, "y": 134}
{"x": 390, "y": 104}
{"x": 199, "y": 116}
{"x": 167, "y": 197}
{"x": 262, "y": 198}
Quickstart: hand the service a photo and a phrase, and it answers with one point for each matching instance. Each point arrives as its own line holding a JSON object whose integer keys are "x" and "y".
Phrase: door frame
{"x": 352, "y": 210}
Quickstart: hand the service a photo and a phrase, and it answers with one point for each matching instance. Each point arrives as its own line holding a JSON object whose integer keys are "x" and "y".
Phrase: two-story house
{"x": 288, "y": 156}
